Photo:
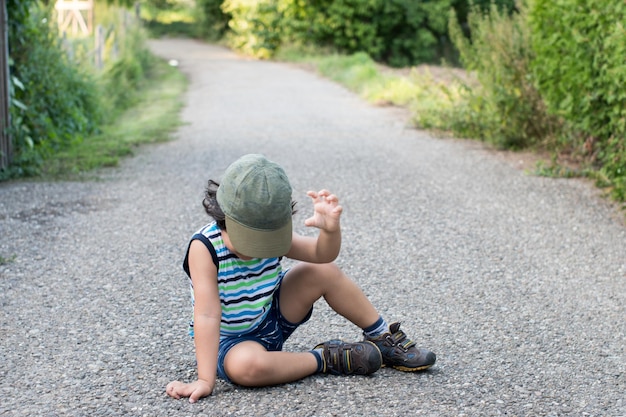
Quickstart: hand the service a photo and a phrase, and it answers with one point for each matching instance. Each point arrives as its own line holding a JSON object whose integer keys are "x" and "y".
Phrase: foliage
{"x": 398, "y": 32}
{"x": 128, "y": 3}
{"x": 213, "y": 20}
{"x": 445, "y": 107}
{"x": 152, "y": 117}
{"x": 57, "y": 102}
{"x": 580, "y": 69}
{"x": 463, "y": 8}
{"x": 124, "y": 76}
{"x": 411, "y": 31}
{"x": 505, "y": 109}
{"x": 361, "y": 74}
{"x": 358, "y": 72}
{"x": 254, "y": 26}
{"x": 178, "y": 19}
{"x": 53, "y": 103}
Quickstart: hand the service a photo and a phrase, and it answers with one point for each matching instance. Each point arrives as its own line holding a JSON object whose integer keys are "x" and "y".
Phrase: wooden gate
{"x": 75, "y": 15}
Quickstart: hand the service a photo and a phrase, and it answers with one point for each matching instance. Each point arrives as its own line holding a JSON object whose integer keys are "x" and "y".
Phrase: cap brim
{"x": 257, "y": 243}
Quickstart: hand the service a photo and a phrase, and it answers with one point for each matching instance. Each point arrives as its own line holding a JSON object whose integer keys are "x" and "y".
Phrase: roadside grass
{"x": 360, "y": 74}
{"x": 425, "y": 94}
{"x": 152, "y": 119}
{"x": 177, "y": 21}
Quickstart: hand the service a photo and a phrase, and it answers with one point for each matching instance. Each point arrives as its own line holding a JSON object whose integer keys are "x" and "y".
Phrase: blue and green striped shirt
{"x": 246, "y": 288}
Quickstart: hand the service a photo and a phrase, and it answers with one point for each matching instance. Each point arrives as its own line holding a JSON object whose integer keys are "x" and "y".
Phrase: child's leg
{"x": 249, "y": 364}
{"x": 305, "y": 283}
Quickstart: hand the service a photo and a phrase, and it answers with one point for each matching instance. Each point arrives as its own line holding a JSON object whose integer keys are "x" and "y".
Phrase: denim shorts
{"x": 271, "y": 333}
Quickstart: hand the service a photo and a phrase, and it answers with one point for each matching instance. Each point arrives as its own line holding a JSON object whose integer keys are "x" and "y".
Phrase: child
{"x": 246, "y": 306}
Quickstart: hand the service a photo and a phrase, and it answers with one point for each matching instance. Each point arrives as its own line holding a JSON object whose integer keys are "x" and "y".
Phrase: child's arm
{"x": 324, "y": 248}
{"x": 207, "y": 318}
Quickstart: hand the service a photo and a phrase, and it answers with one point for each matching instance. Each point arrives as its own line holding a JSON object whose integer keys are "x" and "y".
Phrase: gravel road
{"x": 518, "y": 283}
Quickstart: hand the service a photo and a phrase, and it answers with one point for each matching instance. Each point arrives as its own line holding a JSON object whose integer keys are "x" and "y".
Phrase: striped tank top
{"x": 246, "y": 288}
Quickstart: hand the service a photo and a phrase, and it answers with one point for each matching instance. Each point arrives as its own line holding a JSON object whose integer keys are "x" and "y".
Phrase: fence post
{"x": 99, "y": 47}
{"x": 68, "y": 47}
{"x": 5, "y": 139}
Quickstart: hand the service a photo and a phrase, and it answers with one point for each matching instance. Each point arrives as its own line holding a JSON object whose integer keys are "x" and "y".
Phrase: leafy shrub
{"x": 254, "y": 26}
{"x": 579, "y": 67}
{"x": 125, "y": 75}
{"x": 398, "y": 32}
{"x": 506, "y": 109}
{"x": 411, "y": 31}
{"x": 214, "y": 21}
{"x": 463, "y": 8}
{"x": 451, "y": 107}
{"x": 348, "y": 26}
{"x": 53, "y": 102}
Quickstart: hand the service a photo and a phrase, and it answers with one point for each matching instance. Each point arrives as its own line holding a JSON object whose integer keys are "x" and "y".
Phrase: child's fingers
{"x": 199, "y": 392}
{"x": 332, "y": 198}
{"x": 195, "y": 395}
{"x": 324, "y": 193}
{"x": 172, "y": 389}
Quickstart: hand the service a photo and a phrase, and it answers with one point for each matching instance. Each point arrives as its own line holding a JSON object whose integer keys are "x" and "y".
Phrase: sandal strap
{"x": 400, "y": 339}
{"x": 338, "y": 357}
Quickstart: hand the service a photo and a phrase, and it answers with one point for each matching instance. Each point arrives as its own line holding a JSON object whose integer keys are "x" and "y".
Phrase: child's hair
{"x": 212, "y": 207}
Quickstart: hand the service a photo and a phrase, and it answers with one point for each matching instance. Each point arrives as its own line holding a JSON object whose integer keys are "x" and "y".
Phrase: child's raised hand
{"x": 326, "y": 211}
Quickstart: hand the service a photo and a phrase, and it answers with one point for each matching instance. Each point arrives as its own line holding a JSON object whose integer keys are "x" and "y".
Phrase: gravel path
{"x": 516, "y": 282}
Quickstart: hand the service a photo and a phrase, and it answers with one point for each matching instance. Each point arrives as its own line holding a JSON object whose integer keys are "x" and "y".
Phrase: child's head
{"x": 253, "y": 203}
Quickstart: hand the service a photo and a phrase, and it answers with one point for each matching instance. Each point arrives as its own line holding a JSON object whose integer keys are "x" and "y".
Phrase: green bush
{"x": 579, "y": 68}
{"x": 124, "y": 76}
{"x": 462, "y": 8}
{"x": 349, "y": 26}
{"x": 255, "y": 27}
{"x": 213, "y": 20}
{"x": 53, "y": 103}
{"x": 505, "y": 109}
{"x": 397, "y": 32}
{"x": 412, "y": 32}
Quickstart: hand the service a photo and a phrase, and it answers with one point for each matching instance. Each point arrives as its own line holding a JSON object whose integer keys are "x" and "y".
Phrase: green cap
{"x": 255, "y": 196}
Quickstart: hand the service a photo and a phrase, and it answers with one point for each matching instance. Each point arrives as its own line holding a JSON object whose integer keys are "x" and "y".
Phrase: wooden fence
{"x": 104, "y": 46}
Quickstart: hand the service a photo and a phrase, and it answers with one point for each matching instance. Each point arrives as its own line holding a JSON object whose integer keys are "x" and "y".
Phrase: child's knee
{"x": 245, "y": 367}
